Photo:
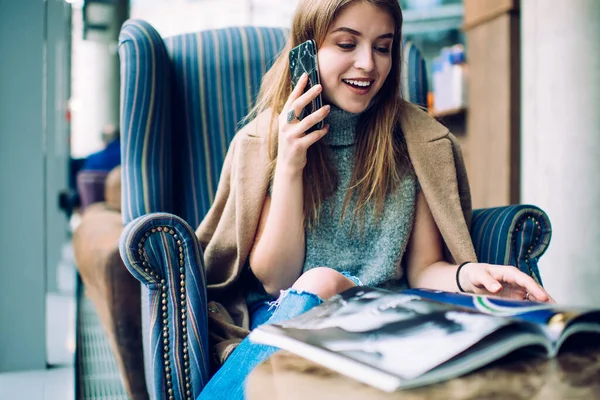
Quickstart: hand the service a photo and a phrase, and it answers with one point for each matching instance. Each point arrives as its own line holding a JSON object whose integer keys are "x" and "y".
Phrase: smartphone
{"x": 303, "y": 58}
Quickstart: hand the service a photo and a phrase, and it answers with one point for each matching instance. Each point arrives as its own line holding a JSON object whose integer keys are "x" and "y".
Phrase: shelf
{"x": 441, "y": 18}
{"x": 453, "y": 112}
{"x": 455, "y": 120}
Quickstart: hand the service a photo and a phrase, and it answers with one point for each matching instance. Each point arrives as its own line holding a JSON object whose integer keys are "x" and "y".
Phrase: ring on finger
{"x": 527, "y": 296}
{"x": 291, "y": 116}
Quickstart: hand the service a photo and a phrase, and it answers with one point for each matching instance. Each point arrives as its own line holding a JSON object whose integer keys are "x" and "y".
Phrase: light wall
{"x": 181, "y": 16}
{"x": 95, "y": 89}
{"x": 33, "y": 160}
{"x": 561, "y": 139}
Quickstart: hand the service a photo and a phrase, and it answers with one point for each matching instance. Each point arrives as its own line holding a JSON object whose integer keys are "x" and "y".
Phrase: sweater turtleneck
{"x": 342, "y": 127}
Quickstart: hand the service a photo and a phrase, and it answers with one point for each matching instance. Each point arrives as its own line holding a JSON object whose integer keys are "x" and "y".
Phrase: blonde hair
{"x": 381, "y": 156}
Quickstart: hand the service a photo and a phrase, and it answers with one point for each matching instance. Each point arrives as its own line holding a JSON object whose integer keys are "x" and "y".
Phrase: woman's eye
{"x": 346, "y": 46}
{"x": 383, "y": 50}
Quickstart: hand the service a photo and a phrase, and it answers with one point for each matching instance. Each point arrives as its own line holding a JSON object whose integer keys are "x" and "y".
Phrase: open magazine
{"x": 396, "y": 341}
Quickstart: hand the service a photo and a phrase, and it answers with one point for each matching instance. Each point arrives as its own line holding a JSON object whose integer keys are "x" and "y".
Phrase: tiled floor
{"x": 51, "y": 384}
{"x": 55, "y": 383}
{"x": 60, "y": 328}
{"x": 98, "y": 374}
{"x": 99, "y": 377}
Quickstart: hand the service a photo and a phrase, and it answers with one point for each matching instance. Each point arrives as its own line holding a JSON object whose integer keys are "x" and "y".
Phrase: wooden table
{"x": 574, "y": 374}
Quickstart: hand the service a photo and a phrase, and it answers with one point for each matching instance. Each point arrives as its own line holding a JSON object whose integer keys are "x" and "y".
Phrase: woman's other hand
{"x": 501, "y": 280}
{"x": 293, "y": 140}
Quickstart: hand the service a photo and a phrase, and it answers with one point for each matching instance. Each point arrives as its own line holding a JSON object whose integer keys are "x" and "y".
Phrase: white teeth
{"x": 358, "y": 83}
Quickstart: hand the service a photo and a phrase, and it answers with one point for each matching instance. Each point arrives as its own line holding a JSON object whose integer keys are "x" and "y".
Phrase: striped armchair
{"x": 182, "y": 98}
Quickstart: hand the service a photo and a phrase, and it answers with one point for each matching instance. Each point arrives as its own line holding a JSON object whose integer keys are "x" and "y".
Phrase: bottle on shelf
{"x": 449, "y": 80}
{"x": 459, "y": 77}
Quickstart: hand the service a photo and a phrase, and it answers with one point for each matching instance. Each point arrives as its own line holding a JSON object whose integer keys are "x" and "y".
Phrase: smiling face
{"x": 356, "y": 56}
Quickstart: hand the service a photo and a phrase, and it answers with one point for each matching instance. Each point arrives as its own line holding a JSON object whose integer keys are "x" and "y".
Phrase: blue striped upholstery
{"x": 181, "y": 101}
{"x": 146, "y": 116}
{"x": 414, "y": 79}
{"x": 514, "y": 235}
{"x": 163, "y": 253}
{"x": 216, "y": 77}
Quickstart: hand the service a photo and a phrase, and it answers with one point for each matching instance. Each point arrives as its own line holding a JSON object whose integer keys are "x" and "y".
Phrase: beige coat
{"x": 227, "y": 232}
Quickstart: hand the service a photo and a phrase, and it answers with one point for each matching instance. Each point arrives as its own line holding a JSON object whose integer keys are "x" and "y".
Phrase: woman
{"x": 376, "y": 197}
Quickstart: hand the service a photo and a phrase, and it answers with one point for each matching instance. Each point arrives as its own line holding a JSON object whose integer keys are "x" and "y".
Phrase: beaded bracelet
{"x": 458, "y": 272}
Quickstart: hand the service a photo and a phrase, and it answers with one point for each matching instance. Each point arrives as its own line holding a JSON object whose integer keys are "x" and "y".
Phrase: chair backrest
{"x": 182, "y": 99}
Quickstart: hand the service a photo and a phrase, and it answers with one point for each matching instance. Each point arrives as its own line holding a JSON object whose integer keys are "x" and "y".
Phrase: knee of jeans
{"x": 324, "y": 282}
{"x": 297, "y": 295}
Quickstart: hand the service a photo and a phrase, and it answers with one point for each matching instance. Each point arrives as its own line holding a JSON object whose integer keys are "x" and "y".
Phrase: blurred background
{"x": 517, "y": 81}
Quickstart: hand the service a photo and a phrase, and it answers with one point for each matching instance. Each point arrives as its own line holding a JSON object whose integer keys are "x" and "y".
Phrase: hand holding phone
{"x": 303, "y": 59}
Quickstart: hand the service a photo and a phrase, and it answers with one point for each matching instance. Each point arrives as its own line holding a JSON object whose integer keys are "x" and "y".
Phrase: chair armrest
{"x": 161, "y": 251}
{"x": 113, "y": 291}
{"x": 112, "y": 189}
{"x": 513, "y": 235}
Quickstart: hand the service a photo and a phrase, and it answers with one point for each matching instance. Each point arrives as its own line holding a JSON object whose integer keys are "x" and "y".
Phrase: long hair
{"x": 381, "y": 156}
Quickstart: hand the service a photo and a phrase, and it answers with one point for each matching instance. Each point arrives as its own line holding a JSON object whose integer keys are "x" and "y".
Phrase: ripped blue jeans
{"x": 228, "y": 382}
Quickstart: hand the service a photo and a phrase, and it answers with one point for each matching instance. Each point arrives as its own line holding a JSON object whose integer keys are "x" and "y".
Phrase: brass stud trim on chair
{"x": 182, "y": 316}
{"x": 519, "y": 226}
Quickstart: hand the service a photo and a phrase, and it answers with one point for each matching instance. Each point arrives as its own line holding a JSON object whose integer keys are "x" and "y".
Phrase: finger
{"x": 305, "y": 99}
{"x": 314, "y": 118}
{"x": 483, "y": 279}
{"x": 550, "y": 299}
{"x": 531, "y": 297}
{"x": 296, "y": 91}
{"x": 512, "y": 292}
{"x": 515, "y": 277}
{"x": 313, "y": 137}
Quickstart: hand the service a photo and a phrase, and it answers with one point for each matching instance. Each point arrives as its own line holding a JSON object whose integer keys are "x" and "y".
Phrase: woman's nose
{"x": 364, "y": 59}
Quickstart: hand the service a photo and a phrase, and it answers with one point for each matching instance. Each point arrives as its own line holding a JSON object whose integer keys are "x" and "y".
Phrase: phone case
{"x": 303, "y": 58}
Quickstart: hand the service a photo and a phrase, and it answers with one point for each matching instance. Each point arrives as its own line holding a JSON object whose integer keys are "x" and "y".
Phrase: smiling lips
{"x": 360, "y": 85}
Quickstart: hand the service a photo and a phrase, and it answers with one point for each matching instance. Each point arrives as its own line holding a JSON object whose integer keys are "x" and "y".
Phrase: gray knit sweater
{"x": 373, "y": 254}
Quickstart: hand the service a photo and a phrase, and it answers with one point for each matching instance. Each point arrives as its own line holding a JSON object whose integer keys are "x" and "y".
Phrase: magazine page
{"x": 398, "y": 333}
{"x": 553, "y": 318}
